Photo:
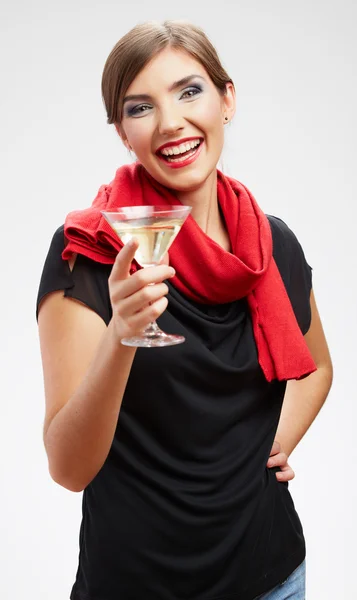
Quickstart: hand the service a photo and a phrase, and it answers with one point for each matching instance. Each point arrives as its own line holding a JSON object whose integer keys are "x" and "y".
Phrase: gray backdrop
{"x": 293, "y": 143}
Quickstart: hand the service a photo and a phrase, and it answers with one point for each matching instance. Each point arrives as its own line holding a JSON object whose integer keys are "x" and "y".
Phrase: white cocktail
{"x": 155, "y": 228}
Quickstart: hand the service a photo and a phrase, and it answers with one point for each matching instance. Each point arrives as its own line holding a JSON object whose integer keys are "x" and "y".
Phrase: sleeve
{"x": 87, "y": 282}
{"x": 294, "y": 270}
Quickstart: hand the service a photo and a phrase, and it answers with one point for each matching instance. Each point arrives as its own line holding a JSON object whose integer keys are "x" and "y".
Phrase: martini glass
{"x": 155, "y": 228}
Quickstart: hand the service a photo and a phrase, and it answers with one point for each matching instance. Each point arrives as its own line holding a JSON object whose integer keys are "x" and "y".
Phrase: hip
{"x": 293, "y": 587}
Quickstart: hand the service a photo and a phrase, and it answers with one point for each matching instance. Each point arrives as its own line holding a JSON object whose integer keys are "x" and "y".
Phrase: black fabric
{"x": 184, "y": 507}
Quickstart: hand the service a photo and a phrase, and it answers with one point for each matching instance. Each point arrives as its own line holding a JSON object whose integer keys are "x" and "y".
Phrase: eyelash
{"x": 195, "y": 89}
{"x": 136, "y": 110}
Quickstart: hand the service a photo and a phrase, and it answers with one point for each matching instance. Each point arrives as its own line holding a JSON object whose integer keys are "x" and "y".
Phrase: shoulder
{"x": 282, "y": 234}
{"x": 54, "y": 264}
{"x": 295, "y": 271}
{"x": 84, "y": 280}
{"x": 57, "y": 241}
{"x": 287, "y": 250}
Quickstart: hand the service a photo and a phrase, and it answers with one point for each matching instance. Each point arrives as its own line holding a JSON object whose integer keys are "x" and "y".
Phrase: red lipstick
{"x": 171, "y": 160}
{"x": 178, "y": 142}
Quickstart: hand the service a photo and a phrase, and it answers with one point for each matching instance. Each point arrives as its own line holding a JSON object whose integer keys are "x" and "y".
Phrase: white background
{"x": 293, "y": 143}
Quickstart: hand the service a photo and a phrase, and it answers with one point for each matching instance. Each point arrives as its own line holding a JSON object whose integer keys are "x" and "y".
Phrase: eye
{"x": 138, "y": 111}
{"x": 191, "y": 92}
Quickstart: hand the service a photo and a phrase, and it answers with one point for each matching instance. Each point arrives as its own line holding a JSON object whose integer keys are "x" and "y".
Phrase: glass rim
{"x": 153, "y": 208}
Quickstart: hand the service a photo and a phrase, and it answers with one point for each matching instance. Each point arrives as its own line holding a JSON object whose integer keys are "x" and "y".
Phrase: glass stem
{"x": 152, "y": 330}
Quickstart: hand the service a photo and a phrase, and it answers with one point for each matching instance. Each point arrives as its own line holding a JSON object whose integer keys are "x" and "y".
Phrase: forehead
{"x": 165, "y": 68}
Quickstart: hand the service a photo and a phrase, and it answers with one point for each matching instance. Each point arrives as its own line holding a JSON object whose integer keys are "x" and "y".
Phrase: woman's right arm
{"x": 86, "y": 368}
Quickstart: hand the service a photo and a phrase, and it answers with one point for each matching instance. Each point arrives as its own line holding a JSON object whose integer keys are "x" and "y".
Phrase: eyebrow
{"x": 173, "y": 86}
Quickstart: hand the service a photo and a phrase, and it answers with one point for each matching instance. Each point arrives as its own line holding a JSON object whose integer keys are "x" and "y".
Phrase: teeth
{"x": 180, "y": 158}
{"x": 174, "y": 150}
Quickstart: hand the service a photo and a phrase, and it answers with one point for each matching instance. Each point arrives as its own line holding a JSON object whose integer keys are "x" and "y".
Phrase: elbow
{"x": 61, "y": 471}
{"x": 328, "y": 370}
{"x": 66, "y": 481}
{"x": 65, "y": 476}
{"x": 326, "y": 377}
{"x": 71, "y": 474}
{"x": 330, "y": 377}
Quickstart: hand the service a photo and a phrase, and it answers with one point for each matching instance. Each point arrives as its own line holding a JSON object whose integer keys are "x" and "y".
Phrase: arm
{"x": 86, "y": 368}
{"x": 85, "y": 374}
{"x": 304, "y": 398}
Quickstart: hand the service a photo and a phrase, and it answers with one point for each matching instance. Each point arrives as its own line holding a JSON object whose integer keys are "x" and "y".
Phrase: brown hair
{"x": 135, "y": 49}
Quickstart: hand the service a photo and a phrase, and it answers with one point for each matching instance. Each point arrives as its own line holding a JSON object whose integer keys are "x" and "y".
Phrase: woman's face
{"x": 173, "y": 119}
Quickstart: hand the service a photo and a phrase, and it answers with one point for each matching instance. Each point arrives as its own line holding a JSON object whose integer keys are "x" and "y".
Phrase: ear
{"x": 121, "y": 134}
{"x": 229, "y": 102}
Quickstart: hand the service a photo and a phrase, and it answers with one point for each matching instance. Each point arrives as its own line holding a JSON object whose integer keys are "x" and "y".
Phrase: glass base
{"x": 153, "y": 337}
{"x": 161, "y": 339}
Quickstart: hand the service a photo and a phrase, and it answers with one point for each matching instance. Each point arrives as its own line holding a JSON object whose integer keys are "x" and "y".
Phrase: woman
{"x": 181, "y": 452}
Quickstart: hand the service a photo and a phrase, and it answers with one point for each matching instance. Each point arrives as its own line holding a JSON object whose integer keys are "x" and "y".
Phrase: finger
{"x": 137, "y": 302}
{"x": 122, "y": 263}
{"x": 140, "y": 320}
{"x": 278, "y": 460}
{"x": 286, "y": 474}
{"x": 275, "y": 449}
{"x": 139, "y": 280}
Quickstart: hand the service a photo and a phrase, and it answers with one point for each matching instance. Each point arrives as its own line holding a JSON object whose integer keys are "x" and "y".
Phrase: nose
{"x": 170, "y": 120}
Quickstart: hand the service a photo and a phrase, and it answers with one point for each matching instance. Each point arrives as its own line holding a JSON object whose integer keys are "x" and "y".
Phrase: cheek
{"x": 139, "y": 134}
{"x": 210, "y": 120}
{"x": 210, "y": 109}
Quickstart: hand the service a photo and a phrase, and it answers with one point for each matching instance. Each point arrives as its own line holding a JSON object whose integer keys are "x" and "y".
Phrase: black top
{"x": 184, "y": 507}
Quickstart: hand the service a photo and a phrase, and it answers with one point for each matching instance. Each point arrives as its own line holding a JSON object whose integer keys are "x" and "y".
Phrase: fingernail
{"x": 173, "y": 272}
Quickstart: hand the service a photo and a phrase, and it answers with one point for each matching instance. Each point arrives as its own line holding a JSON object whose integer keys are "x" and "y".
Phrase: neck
{"x": 206, "y": 211}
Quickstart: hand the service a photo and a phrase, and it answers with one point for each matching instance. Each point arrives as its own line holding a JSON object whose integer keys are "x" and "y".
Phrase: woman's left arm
{"x": 303, "y": 399}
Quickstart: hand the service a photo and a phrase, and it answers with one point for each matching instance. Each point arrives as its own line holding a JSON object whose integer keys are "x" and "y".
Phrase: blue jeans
{"x": 293, "y": 588}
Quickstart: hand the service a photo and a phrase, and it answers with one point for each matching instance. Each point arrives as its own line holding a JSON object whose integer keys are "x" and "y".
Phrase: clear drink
{"x": 155, "y": 228}
{"x": 154, "y": 234}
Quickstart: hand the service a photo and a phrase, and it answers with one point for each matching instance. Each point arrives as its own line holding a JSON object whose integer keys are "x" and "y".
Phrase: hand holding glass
{"x": 155, "y": 228}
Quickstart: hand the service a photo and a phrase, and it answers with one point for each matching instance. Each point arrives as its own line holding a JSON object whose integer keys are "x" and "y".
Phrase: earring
{"x": 226, "y": 118}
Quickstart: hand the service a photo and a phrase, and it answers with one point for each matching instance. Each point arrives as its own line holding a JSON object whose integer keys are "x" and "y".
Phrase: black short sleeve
{"x": 87, "y": 282}
{"x": 295, "y": 271}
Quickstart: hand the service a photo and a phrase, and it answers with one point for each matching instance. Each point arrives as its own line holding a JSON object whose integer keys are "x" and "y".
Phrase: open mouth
{"x": 181, "y": 153}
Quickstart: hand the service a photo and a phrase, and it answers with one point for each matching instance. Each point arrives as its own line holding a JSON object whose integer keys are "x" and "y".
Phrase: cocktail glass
{"x": 155, "y": 228}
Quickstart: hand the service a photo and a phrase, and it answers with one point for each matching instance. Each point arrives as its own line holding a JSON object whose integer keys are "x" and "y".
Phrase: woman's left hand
{"x": 278, "y": 458}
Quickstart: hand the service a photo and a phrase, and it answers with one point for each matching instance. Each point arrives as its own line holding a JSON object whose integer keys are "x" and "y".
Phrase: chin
{"x": 185, "y": 182}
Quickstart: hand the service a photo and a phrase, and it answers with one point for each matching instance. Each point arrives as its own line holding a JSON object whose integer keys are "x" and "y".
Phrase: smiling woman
{"x": 184, "y": 105}
{"x": 181, "y": 452}
{"x": 175, "y": 87}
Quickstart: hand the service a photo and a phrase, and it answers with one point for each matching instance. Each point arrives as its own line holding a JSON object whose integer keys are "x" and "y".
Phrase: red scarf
{"x": 205, "y": 271}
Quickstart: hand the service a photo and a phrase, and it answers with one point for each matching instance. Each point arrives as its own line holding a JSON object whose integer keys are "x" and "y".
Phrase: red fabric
{"x": 205, "y": 271}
